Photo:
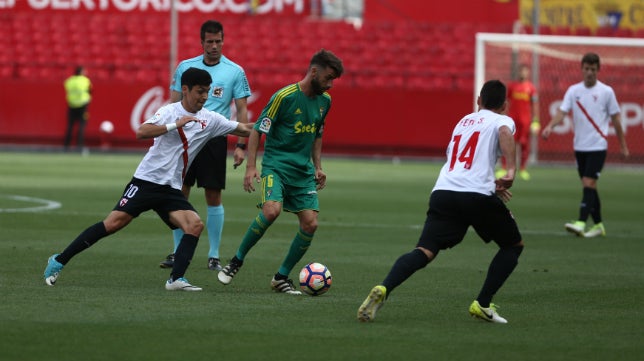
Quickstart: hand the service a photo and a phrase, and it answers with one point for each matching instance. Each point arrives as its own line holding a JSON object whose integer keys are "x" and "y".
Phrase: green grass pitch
{"x": 569, "y": 298}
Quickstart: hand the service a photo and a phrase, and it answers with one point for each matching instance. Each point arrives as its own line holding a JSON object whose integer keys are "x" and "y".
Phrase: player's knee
{"x": 428, "y": 253}
{"x": 271, "y": 212}
{"x": 309, "y": 226}
{"x": 194, "y": 227}
{"x": 513, "y": 252}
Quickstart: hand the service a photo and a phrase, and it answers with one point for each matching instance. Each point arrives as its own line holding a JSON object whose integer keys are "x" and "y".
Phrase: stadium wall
{"x": 390, "y": 118}
{"x": 362, "y": 121}
{"x": 387, "y": 119}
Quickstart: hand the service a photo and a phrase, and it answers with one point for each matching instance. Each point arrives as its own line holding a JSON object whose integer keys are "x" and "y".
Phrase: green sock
{"x": 299, "y": 246}
{"x": 253, "y": 234}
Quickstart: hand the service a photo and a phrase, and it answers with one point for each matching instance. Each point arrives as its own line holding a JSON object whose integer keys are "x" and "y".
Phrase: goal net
{"x": 556, "y": 64}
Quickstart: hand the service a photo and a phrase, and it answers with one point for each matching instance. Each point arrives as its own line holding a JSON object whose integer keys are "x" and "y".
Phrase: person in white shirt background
{"x": 593, "y": 106}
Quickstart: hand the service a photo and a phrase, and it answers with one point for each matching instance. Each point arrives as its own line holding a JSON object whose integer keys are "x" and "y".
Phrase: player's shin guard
{"x": 177, "y": 234}
{"x": 404, "y": 267}
{"x": 299, "y": 246}
{"x": 501, "y": 267}
{"x": 215, "y": 226}
{"x": 183, "y": 255}
{"x": 255, "y": 231}
{"x": 588, "y": 203}
{"x": 84, "y": 240}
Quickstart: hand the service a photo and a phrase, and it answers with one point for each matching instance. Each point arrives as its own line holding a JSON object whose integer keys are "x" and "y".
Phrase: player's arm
{"x": 619, "y": 132}
{"x": 239, "y": 153}
{"x": 242, "y": 130}
{"x": 148, "y": 130}
{"x": 316, "y": 158}
{"x": 251, "y": 165}
{"x": 508, "y": 149}
{"x": 556, "y": 120}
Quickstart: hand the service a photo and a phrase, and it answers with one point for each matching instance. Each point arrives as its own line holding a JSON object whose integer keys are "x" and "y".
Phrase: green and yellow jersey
{"x": 292, "y": 122}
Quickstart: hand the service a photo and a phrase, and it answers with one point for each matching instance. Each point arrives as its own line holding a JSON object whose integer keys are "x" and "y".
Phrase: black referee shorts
{"x": 209, "y": 167}
{"x": 451, "y": 213}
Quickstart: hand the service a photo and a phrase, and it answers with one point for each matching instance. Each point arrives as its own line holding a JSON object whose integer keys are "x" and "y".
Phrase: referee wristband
{"x": 170, "y": 127}
{"x": 241, "y": 146}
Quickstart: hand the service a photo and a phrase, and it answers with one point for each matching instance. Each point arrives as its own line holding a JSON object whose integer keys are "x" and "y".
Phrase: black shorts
{"x": 77, "y": 114}
{"x": 451, "y": 213}
{"x": 209, "y": 167}
{"x": 590, "y": 164}
{"x": 140, "y": 196}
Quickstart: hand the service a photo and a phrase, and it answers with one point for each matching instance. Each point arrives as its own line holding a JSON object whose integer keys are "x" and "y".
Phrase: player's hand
{"x": 546, "y": 132}
{"x": 625, "y": 152}
{"x": 320, "y": 179}
{"x": 238, "y": 157}
{"x": 250, "y": 176}
{"x": 504, "y": 194}
{"x": 185, "y": 120}
{"x": 506, "y": 181}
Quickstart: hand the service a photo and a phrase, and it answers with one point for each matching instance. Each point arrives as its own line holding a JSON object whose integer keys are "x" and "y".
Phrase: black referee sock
{"x": 403, "y": 268}
{"x": 501, "y": 267}
{"x": 183, "y": 255}
{"x": 84, "y": 240}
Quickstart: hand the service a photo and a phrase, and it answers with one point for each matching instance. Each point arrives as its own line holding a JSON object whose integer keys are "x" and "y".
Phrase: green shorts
{"x": 293, "y": 199}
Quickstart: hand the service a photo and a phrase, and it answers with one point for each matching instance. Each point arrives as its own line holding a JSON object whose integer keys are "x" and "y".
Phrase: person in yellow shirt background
{"x": 78, "y": 90}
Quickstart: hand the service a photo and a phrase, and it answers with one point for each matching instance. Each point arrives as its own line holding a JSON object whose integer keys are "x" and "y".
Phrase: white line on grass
{"x": 46, "y": 204}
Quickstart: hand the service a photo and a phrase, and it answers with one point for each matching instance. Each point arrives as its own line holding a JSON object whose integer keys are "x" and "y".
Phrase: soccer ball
{"x": 315, "y": 279}
{"x": 107, "y": 127}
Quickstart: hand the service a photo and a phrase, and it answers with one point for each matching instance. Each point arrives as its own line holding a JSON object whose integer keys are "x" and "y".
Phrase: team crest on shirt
{"x": 265, "y": 125}
{"x": 218, "y": 92}
{"x": 123, "y": 202}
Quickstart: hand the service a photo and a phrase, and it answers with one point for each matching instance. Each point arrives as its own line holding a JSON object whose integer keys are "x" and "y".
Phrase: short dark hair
{"x": 78, "y": 70}
{"x": 493, "y": 94}
{"x": 590, "y": 58}
{"x": 211, "y": 26}
{"x": 195, "y": 76}
{"x": 325, "y": 58}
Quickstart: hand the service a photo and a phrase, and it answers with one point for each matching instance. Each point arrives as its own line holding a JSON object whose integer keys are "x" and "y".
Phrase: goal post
{"x": 556, "y": 64}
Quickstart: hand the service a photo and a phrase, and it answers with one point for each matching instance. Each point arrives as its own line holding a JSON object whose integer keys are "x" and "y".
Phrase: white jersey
{"x": 472, "y": 153}
{"x": 591, "y": 110}
{"x": 168, "y": 159}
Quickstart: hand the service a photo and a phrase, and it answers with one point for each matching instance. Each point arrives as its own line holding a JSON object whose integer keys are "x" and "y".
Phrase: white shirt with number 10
{"x": 472, "y": 153}
{"x": 169, "y": 157}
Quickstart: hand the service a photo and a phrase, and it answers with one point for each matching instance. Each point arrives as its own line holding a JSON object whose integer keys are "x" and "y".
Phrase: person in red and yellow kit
{"x": 523, "y": 109}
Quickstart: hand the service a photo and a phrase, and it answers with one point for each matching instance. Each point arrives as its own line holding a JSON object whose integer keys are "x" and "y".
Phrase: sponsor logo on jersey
{"x": 218, "y": 92}
{"x": 265, "y": 125}
{"x": 301, "y": 128}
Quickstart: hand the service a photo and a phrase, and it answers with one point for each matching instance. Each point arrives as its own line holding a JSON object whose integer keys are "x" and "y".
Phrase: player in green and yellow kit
{"x": 293, "y": 122}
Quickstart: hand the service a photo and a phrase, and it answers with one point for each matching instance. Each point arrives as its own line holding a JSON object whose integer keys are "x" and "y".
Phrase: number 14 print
{"x": 467, "y": 154}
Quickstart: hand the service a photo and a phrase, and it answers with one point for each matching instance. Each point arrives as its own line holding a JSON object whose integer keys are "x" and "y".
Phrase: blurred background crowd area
{"x": 383, "y": 43}
{"x": 402, "y": 60}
